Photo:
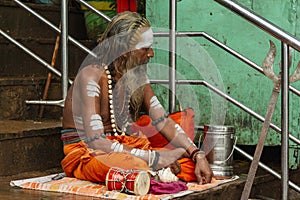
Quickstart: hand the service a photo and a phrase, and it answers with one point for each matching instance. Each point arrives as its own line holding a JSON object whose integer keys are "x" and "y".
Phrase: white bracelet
{"x": 117, "y": 147}
{"x": 133, "y": 151}
{"x": 113, "y": 145}
{"x": 153, "y": 158}
{"x": 138, "y": 152}
{"x": 149, "y": 157}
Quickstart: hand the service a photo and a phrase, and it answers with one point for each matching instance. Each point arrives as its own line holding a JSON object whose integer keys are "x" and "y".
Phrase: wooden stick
{"x": 54, "y": 56}
{"x": 260, "y": 144}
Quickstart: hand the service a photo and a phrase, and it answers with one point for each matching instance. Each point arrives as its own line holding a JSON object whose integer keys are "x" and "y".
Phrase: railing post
{"x": 64, "y": 45}
{"x": 172, "y": 55}
{"x": 284, "y": 119}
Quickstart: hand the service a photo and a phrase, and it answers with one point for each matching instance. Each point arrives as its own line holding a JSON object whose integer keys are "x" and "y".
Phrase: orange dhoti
{"x": 93, "y": 165}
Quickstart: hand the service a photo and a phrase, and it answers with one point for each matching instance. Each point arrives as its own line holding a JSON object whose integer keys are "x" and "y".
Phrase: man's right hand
{"x": 203, "y": 171}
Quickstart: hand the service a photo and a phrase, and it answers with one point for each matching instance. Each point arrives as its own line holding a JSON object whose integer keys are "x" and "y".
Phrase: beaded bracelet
{"x": 91, "y": 139}
{"x": 159, "y": 120}
{"x": 193, "y": 153}
{"x": 198, "y": 152}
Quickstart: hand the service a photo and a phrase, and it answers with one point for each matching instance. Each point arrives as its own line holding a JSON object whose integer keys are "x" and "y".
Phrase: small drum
{"x": 131, "y": 181}
{"x": 115, "y": 179}
{"x": 137, "y": 182}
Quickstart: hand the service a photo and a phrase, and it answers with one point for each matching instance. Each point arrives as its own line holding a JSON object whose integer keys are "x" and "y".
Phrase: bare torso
{"x": 73, "y": 107}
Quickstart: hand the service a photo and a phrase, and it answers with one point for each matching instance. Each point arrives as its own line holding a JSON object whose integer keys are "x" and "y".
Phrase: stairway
{"x": 23, "y": 78}
{"x": 28, "y": 142}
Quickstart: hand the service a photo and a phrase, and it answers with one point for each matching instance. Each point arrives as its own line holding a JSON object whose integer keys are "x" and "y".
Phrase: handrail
{"x": 230, "y": 99}
{"x": 28, "y": 51}
{"x": 55, "y": 28}
{"x": 287, "y": 40}
{"x": 64, "y": 59}
{"x": 94, "y": 10}
{"x": 224, "y": 47}
{"x": 268, "y": 169}
{"x": 262, "y": 23}
{"x": 44, "y": 63}
{"x": 248, "y": 110}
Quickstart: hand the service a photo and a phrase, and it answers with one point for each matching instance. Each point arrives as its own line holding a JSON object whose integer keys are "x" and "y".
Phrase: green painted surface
{"x": 200, "y": 59}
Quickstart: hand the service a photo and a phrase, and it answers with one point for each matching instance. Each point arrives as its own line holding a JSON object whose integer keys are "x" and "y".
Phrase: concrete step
{"x": 27, "y": 146}
{"x": 39, "y": 38}
{"x": 15, "y": 62}
{"x": 20, "y": 23}
{"x": 14, "y": 91}
{"x": 22, "y": 77}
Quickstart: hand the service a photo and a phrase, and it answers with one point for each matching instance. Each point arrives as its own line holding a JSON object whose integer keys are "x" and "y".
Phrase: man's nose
{"x": 150, "y": 53}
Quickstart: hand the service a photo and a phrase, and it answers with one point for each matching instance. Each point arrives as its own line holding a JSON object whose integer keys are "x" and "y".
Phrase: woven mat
{"x": 60, "y": 183}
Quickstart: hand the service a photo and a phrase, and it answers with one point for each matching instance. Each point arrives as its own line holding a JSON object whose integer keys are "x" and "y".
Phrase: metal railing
{"x": 64, "y": 41}
{"x": 224, "y": 47}
{"x": 286, "y": 38}
{"x": 246, "y": 109}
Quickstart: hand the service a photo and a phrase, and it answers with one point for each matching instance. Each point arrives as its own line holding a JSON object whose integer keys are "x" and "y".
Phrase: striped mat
{"x": 60, "y": 183}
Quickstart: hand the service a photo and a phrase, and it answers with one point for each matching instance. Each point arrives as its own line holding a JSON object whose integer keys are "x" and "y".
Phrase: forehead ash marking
{"x": 146, "y": 40}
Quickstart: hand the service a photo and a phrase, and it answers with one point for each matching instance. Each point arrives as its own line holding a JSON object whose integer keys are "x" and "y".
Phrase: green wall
{"x": 197, "y": 58}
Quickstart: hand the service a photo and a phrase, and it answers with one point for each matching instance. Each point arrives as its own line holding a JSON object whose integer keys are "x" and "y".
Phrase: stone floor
{"x": 265, "y": 187}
